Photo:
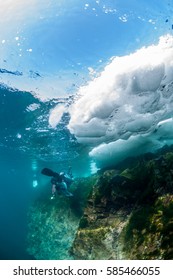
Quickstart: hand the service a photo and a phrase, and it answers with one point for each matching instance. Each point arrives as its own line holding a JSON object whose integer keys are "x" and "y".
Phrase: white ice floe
{"x": 123, "y": 111}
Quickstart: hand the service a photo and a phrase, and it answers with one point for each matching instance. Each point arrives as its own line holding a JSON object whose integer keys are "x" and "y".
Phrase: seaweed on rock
{"x": 129, "y": 214}
{"x": 52, "y": 224}
{"x": 124, "y": 214}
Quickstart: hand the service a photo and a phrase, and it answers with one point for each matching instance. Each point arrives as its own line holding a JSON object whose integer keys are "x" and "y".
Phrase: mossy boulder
{"x": 129, "y": 213}
{"x": 149, "y": 232}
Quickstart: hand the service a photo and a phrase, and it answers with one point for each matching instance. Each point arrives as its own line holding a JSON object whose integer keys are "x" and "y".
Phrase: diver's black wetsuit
{"x": 60, "y": 184}
{"x": 59, "y": 181}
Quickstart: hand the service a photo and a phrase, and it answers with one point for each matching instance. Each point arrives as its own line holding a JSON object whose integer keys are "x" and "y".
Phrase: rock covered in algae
{"x": 49, "y": 227}
{"x": 103, "y": 220}
{"x": 52, "y": 224}
{"x": 124, "y": 214}
{"x": 129, "y": 215}
{"x": 149, "y": 233}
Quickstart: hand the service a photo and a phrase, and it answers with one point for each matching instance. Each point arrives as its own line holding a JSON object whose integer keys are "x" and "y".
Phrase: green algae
{"x": 81, "y": 188}
{"x": 149, "y": 232}
{"x": 136, "y": 206}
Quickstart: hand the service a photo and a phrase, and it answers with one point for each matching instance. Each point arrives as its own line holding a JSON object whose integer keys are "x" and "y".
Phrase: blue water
{"x": 27, "y": 145}
{"x": 15, "y": 196}
{"x": 46, "y": 51}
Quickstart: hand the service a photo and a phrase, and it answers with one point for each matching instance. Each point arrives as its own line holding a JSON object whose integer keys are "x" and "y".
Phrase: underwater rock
{"x": 52, "y": 224}
{"x": 125, "y": 214}
{"x": 49, "y": 225}
{"x": 129, "y": 215}
{"x": 103, "y": 220}
{"x": 149, "y": 233}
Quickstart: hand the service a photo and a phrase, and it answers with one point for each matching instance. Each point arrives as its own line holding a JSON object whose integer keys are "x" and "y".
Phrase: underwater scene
{"x": 86, "y": 130}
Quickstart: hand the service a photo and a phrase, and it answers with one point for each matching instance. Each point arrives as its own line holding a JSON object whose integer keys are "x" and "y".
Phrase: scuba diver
{"x": 60, "y": 182}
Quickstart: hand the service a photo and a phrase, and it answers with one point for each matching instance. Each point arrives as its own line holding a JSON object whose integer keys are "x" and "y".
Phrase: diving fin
{"x": 49, "y": 172}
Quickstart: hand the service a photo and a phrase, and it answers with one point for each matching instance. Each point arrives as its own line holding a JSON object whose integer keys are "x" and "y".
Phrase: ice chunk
{"x": 122, "y": 111}
{"x": 56, "y": 115}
